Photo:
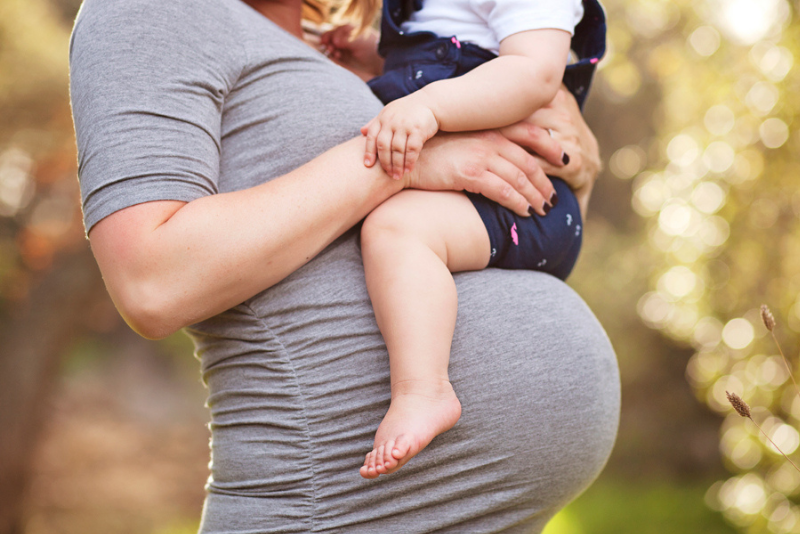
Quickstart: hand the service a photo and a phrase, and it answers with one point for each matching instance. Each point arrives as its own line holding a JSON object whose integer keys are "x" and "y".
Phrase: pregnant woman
{"x": 221, "y": 174}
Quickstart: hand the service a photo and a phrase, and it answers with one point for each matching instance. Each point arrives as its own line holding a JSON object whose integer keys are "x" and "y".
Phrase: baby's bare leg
{"x": 410, "y": 245}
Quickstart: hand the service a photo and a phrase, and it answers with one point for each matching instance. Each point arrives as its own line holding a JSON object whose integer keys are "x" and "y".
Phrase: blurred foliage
{"x": 125, "y": 449}
{"x": 716, "y": 186}
{"x": 39, "y": 215}
{"x": 646, "y": 507}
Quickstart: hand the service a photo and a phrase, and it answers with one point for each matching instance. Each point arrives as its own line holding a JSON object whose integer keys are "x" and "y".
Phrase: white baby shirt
{"x": 487, "y": 22}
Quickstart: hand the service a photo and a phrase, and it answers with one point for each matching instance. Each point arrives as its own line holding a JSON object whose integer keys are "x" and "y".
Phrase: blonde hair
{"x": 360, "y": 13}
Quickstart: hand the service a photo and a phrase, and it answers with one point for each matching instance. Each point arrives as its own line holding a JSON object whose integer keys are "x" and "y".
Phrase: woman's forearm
{"x": 170, "y": 264}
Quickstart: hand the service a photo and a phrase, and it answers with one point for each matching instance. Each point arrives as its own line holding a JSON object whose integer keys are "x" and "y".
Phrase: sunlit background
{"x": 694, "y": 224}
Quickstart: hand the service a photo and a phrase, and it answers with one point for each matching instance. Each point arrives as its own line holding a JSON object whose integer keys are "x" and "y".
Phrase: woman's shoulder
{"x": 127, "y": 40}
{"x": 160, "y": 22}
{"x": 224, "y": 34}
{"x": 151, "y": 10}
{"x": 160, "y": 66}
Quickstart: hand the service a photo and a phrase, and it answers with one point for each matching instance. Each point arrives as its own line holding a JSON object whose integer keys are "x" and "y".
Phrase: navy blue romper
{"x": 413, "y": 60}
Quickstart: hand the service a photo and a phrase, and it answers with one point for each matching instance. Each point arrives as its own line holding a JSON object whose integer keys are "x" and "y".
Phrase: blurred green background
{"x": 692, "y": 226}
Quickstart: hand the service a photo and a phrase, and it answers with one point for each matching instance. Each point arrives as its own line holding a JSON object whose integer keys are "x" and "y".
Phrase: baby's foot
{"x": 420, "y": 411}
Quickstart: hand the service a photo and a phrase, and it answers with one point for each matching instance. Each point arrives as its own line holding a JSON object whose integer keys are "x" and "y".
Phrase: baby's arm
{"x": 525, "y": 77}
{"x": 505, "y": 90}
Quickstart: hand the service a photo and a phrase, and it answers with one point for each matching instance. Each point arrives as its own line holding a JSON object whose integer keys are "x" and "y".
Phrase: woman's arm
{"x": 169, "y": 264}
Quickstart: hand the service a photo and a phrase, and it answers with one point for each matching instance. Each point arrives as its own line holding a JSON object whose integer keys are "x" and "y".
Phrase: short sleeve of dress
{"x": 148, "y": 79}
{"x": 507, "y": 17}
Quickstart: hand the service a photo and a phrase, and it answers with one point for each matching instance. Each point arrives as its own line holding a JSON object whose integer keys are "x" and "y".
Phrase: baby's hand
{"x": 397, "y": 134}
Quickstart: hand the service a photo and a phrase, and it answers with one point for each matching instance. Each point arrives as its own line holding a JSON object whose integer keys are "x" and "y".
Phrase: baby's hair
{"x": 359, "y": 13}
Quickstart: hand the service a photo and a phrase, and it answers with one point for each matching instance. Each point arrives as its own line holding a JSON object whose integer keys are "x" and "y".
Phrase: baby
{"x": 457, "y": 65}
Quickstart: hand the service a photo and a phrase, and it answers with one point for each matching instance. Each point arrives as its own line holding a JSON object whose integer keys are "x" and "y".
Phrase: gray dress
{"x": 178, "y": 99}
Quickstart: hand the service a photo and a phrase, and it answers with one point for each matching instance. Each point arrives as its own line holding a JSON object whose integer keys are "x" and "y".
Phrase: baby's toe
{"x": 369, "y": 464}
{"x": 388, "y": 460}
{"x": 401, "y": 447}
{"x": 364, "y": 470}
{"x": 379, "y": 456}
{"x": 373, "y": 456}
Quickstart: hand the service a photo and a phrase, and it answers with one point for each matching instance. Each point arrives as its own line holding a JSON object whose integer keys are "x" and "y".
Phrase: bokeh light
{"x": 705, "y": 40}
{"x": 748, "y": 21}
{"x": 627, "y": 161}
{"x": 762, "y": 97}
{"x": 719, "y": 156}
{"x": 708, "y": 197}
{"x": 16, "y": 186}
{"x": 738, "y": 333}
{"x": 774, "y": 132}
{"x": 719, "y": 119}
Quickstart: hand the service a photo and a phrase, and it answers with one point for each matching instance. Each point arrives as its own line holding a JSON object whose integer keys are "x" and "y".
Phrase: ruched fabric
{"x": 297, "y": 394}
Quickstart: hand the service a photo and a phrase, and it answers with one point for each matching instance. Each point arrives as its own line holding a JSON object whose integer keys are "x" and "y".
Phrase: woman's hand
{"x": 357, "y": 54}
{"x": 556, "y": 141}
{"x": 562, "y": 143}
{"x": 487, "y": 163}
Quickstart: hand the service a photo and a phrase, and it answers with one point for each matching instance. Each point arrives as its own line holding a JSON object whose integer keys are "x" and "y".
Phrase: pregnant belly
{"x": 299, "y": 380}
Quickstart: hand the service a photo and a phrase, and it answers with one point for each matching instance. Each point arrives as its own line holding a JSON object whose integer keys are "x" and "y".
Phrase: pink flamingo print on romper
{"x": 514, "y": 236}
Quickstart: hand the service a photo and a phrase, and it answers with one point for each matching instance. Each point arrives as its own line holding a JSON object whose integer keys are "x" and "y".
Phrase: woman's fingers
{"x": 486, "y": 163}
{"x": 535, "y": 187}
{"x": 538, "y": 140}
{"x": 531, "y": 165}
{"x": 499, "y": 190}
{"x": 564, "y": 118}
{"x": 566, "y": 172}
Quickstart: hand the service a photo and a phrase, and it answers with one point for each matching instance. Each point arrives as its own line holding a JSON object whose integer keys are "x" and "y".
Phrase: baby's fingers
{"x": 413, "y": 148}
{"x": 370, "y": 130}
{"x": 398, "y": 153}
{"x": 384, "y": 142}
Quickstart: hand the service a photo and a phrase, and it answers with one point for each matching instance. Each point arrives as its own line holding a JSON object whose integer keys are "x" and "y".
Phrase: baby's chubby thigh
{"x": 444, "y": 221}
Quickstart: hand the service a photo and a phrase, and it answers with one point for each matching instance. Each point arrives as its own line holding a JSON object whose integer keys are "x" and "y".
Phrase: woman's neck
{"x": 285, "y": 13}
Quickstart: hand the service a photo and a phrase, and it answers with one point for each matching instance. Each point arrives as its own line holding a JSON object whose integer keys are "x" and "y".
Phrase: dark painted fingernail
{"x": 547, "y": 207}
{"x": 565, "y": 158}
{"x": 554, "y": 199}
{"x": 531, "y": 211}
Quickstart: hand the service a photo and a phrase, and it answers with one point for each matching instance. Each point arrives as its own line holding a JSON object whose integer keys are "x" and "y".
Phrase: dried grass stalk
{"x": 738, "y": 404}
{"x": 743, "y": 409}
{"x": 767, "y": 317}
{"x": 769, "y": 322}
